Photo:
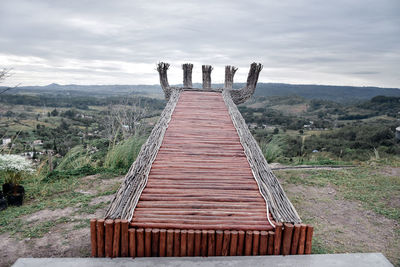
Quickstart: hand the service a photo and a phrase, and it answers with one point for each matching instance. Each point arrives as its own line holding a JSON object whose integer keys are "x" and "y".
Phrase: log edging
{"x": 117, "y": 238}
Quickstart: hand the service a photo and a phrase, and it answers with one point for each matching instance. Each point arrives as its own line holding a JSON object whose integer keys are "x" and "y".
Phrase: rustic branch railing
{"x": 127, "y": 197}
{"x": 277, "y": 202}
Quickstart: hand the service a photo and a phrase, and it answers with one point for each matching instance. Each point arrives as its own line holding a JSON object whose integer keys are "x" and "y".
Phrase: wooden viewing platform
{"x": 197, "y": 187}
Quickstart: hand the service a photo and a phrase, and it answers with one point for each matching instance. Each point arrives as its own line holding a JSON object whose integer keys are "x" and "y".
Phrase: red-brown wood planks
{"x": 201, "y": 178}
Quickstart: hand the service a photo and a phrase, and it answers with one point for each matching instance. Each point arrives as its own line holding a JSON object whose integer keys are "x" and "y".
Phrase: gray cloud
{"x": 98, "y": 42}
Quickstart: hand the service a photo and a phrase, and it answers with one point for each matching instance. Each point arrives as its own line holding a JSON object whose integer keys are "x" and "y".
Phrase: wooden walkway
{"x": 201, "y": 178}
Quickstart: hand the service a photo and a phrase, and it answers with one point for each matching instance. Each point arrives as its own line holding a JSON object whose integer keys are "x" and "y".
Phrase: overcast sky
{"x": 341, "y": 42}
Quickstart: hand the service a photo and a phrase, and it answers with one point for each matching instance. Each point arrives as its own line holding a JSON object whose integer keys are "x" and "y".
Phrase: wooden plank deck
{"x": 201, "y": 178}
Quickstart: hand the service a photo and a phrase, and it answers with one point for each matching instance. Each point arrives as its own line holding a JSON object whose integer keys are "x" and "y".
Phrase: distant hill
{"x": 327, "y": 92}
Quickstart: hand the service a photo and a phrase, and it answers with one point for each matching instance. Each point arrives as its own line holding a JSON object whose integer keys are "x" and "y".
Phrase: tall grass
{"x": 76, "y": 158}
{"x": 122, "y": 155}
{"x": 273, "y": 149}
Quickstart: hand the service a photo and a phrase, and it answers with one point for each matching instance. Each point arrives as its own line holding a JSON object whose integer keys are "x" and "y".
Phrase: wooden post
{"x": 155, "y": 242}
{"x": 219, "y": 236}
{"x": 140, "y": 242}
{"x": 234, "y": 243}
{"x": 124, "y": 238}
{"x": 271, "y": 241}
{"x": 93, "y": 236}
{"x": 287, "y": 238}
{"x": 248, "y": 243}
{"x": 207, "y": 76}
{"x": 100, "y": 238}
{"x": 226, "y": 243}
{"x": 117, "y": 238}
{"x": 190, "y": 243}
{"x": 263, "y": 242}
{"x": 183, "y": 243}
{"x": 211, "y": 243}
{"x": 187, "y": 75}
{"x": 278, "y": 238}
{"x": 302, "y": 239}
{"x": 197, "y": 242}
{"x": 203, "y": 246}
{"x": 295, "y": 241}
{"x": 170, "y": 243}
{"x": 240, "y": 246}
{"x": 147, "y": 242}
{"x": 132, "y": 242}
{"x": 162, "y": 69}
{"x": 177, "y": 242}
{"x": 256, "y": 242}
{"x": 109, "y": 238}
{"x": 309, "y": 234}
{"x": 163, "y": 241}
{"x": 229, "y": 74}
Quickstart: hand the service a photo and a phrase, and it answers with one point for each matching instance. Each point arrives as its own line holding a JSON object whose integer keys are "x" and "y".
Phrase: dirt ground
{"x": 341, "y": 226}
{"x": 70, "y": 239}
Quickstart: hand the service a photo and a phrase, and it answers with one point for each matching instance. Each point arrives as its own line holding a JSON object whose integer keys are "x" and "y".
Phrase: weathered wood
{"x": 177, "y": 243}
{"x": 190, "y": 243}
{"x": 229, "y": 74}
{"x": 256, "y": 243}
{"x": 170, "y": 243}
{"x": 100, "y": 238}
{"x": 117, "y": 238}
{"x": 187, "y": 75}
{"x": 162, "y": 69}
{"x": 147, "y": 242}
{"x": 140, "y": 242}
{"x": 197, "y": 243}
{"x": 241, "y": 241}
{"x": 211, "y": 243}
{"x": 93, "y": 237}
{"x": 233, "y": 243}
{"x": 204, "y": 242}
{"x": 278, "y": 238}
{"x": 263, "y": 242}
{"x": 109, "y": 225}
{"x": 309, "y": 234}
{"x": 219, "y": 236}
{"x": 226, "y": 243}
{"x": 287, "y": 238}
{"x": 295, "y": 240}
{"x": 132, "y": 242}
{"x": 183, "y": 252}
{"x": 206, "y": 76}
{"x": 240, "y": 96}
{"x": 155, "y": 242}
{"x": 302, "y": 239}
{"x": 248, "y": 243}
{"x": 124, "y": 238}
{"x": 127, "y": 196}
{"x": 276, "y": 200}
{"x": 271, "y": 242}
{"x": 163, "y": 242}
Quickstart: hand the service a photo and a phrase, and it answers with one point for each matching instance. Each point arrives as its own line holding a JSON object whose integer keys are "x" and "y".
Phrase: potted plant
{"x": 14, "y": 168}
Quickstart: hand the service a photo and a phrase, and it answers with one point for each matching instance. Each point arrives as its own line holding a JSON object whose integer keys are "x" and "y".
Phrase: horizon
{"x": 199, "y": 83}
